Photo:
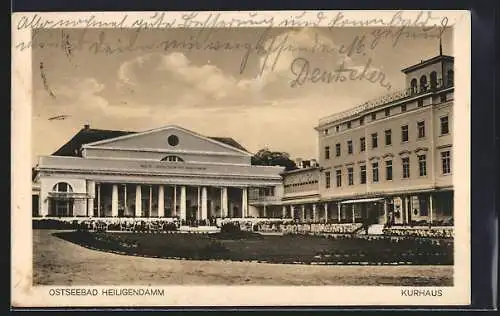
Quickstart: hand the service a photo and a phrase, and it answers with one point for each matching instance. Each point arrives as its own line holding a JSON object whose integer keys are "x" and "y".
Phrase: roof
{"x": 85, "y": 136}
{"x": 90, "y": 135}
{"x": 426, "y": 62}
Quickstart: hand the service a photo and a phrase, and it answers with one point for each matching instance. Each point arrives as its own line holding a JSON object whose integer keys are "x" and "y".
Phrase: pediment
{"x": 171, "y": 140}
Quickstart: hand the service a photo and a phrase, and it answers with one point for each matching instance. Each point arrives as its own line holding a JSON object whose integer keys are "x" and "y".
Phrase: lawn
{"x": 272, "y": 249}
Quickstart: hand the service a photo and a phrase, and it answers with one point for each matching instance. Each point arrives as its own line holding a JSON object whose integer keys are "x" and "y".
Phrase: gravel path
{"x": 59, "y": 262}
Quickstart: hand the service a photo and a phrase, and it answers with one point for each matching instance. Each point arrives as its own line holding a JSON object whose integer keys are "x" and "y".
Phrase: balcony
{"x": 395, "y": 96}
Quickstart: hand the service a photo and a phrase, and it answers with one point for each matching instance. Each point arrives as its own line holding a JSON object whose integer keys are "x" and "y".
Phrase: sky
{"x": 253, "y": 92}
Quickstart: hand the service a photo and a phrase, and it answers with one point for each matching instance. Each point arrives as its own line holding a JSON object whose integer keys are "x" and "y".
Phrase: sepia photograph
{"x": 206, "y": 151}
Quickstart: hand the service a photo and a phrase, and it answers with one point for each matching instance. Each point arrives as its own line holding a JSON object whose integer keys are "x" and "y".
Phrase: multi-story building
{"x": 387, "y": 161}
{"x": 390, "y": 159}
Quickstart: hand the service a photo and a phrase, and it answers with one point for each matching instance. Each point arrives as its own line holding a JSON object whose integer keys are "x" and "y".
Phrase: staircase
{"x": 376, "y": 229}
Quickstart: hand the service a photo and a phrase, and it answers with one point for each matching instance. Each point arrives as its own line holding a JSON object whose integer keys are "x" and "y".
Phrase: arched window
{"x": 450, "y": 80}
{"x": 62, "y": 187}
{"x": 61, "y": 205}
{"x": 423, "y": 83}
{"x": 413, "y": 86}
{"x": 172, "y": 158}
{"x": 433, "y": 80}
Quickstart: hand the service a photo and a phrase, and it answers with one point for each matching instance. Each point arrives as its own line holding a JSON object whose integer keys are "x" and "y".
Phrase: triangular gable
{"x": 158, "y": 139}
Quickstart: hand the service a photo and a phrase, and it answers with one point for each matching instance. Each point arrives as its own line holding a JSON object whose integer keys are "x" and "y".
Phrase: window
{"x": 442, "y": 97}
{"x": 361, "y": 121}
{"x": 421, "y": 129}
{"x": 388, "y": 137}
{"x": 404, "y": 133}
{"x": 173, "y": 140}
{"x": 337, "y": 150}
{"x": 349, "y": 146}
{"x": 433, "y": 80}
{"x": 337, "y": 128}
{"x": 413, "y": 86}
{"x": 374, "y": 140}
{"x": 423, "y": 83}
{"x": 326, "y": 131}
{"x": 446, "y": 162}
{"x": 388, "y": 170}
{"x": 422, "y": 165}
{"x": 362, "y": 174}
{"x": 348, "y": 124}
{"x": 444, "y": 125}
{"x": 403, "y": 108}
{"x": 375, "y": 172}
{"x": 362, "y": 144}
{"x": 62, "y": 187}
{"x": 420, "y": 103}
{"x": 387, "y": 112}
{"x": 374, "y": 116}
{"x": 172, "y": 159}
{"x": 406, "y": 167}
{"x": 327, "y": 152}
{"x": 450, "y": 78}
{"x": 327, "y": 179}
{"x": 339, "y": 177}
{"x": 350, "y": 176}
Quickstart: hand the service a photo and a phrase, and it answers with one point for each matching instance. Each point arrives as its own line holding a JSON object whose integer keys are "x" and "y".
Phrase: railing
{"x": 391, "y": 97}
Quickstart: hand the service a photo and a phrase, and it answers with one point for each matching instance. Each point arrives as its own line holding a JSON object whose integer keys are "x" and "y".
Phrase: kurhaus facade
{"x": 166, "y": 172}
{"x": 388, "y": 161}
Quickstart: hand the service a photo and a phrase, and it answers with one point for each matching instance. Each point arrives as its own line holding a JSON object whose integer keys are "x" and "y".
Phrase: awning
{"x": 362, "y": 201}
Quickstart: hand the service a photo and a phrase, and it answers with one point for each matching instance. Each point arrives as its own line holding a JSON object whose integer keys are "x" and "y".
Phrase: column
{"x": 150, "y": 200}
{"x": 198, "y": 202}
{"x": 204, "y": 207}
{"x": 326, "y": 212}
{"x": 138, "y": 201}
{"x": 339, "y": 206}
{"x": 407, "y": 206}
{"x": 386, "y": 219}
{"x": 353, "y": 214}
{"x": 284, "y": 211}
{"x": 174, "y": 207}
{"x": 224, "y": 211}
{"x": 183, "y": 203}
{"x": 114, "y": 201}
{"x": 98, "y": 200}
{"x": 315, "y": 216}
{"x": 90, "y": 200}
{"x": 292, "y": 216}
{"x": 303, "y": 214}
{"x": 244, "y": 202}
{"x": 125, "y": 208}
{"x": 161, "y": 201}
{"x": 431, "y": 208}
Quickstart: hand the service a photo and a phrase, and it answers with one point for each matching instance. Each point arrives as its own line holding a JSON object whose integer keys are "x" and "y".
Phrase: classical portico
{"x": 164, "y": 173}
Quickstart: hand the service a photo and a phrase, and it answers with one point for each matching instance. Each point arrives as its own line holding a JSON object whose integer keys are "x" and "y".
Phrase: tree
{"x": 266, "y": 157}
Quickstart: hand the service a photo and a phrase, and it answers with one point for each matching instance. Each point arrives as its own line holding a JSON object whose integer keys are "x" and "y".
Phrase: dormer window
{"x": 423, "y": 83}
{"x": 450, "y": 80}
{"x": 433, "y": 77}
{"x": 413, "y": 86}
